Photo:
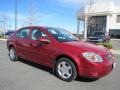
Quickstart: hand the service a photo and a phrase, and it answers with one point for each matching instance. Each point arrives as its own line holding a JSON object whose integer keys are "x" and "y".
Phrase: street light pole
{"x": 78, "y": 27}
{"x": 15, "y": 14}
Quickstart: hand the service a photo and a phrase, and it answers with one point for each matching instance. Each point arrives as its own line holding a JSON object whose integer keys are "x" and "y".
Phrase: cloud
{"x": 23, "y": 18}
{"x": 116, "y": 2}
{"x": 84, "y": 2}
{"x": 70, "y": 1}
{"x": 12, "y": 16}
{"x": 52, "y": 19}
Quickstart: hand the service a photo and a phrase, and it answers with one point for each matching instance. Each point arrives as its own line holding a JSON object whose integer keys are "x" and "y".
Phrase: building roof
{"x": 98, "y": 9}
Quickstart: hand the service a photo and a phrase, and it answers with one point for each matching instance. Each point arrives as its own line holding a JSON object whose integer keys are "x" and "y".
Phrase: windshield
{"x": 62, "y": 35}
{"x": 98, "y": 33}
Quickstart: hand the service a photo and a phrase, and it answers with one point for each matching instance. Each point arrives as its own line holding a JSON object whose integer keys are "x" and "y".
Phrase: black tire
{"x": 12, "y": 54}
{"x": 69, "y": 69}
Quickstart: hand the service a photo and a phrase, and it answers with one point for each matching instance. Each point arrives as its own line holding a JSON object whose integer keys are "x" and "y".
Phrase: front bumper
{"x": 96, "y": 70}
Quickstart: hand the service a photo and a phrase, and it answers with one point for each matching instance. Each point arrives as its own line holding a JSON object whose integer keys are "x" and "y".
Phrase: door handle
{"x": 31, "y": 44}
{"x": 34, "y": 45}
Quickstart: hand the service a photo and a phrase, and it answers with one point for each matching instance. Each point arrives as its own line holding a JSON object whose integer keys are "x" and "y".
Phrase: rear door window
{"x": 24, "y": 33}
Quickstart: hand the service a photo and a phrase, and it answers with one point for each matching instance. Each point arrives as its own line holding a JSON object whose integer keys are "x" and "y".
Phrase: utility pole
{"x": 78, "y": 27}
{"x": 16, "y": 14}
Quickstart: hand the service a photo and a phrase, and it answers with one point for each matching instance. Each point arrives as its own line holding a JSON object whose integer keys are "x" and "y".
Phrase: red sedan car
{"x": 60, "y": 50}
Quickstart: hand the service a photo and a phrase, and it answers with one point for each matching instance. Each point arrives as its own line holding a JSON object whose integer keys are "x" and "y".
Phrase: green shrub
{"x": 1, "y": 36}
{"x": 107, "y": 45}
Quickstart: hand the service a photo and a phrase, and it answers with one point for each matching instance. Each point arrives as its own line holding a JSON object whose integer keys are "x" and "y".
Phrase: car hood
{"x": 86, "y": 47}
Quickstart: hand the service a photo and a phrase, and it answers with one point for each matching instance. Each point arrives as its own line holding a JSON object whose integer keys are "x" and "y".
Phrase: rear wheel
{"x": 12, "y": 54}
{"x": 65, "y": 69}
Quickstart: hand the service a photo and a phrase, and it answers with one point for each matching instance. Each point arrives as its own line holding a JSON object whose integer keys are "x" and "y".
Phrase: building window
{"x": 97, "y": 23}
{"x": 118, "y": 18}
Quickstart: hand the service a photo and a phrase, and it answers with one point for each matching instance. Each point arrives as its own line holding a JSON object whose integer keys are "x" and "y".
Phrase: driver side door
{"x": 40, "y": 52}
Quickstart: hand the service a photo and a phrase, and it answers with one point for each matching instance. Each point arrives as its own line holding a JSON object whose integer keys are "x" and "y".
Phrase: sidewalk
{"x": 3, "y": 39}
{"x": 115, "y": 39}
{"x": 115, "y": 51}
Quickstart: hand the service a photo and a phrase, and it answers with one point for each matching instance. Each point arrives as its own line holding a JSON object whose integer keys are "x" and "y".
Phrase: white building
{"x": 100, "y": 16}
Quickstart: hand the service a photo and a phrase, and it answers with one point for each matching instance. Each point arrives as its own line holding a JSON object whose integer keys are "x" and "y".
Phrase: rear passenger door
{"x": 22, "y": 42}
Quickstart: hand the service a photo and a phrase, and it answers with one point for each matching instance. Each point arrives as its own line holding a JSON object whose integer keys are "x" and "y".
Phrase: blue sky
{"x": 56, "y": 13}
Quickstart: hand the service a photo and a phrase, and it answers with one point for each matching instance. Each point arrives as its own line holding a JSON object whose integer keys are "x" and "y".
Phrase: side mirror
{"x": 44, "y": 40}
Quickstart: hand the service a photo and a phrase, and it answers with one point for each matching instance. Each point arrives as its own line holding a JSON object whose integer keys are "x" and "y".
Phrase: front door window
{"x": 36, "y": 34}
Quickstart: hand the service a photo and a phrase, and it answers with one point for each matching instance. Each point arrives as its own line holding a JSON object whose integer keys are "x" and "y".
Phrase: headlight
{"x": 93, "y": 57}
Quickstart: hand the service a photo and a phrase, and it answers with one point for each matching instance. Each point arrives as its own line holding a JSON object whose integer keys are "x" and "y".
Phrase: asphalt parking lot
{"x": 23, "y": 75}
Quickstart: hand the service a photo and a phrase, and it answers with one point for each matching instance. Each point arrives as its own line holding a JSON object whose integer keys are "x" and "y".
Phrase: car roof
{"x": 44, "y": 27}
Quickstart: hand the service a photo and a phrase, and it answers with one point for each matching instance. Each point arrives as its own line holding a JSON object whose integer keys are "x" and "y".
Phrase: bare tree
{"x": 89, "y": 3}
{"x": 32, "y": 13}
{"x": 88, "y": 16}
{"x": 4, "y": 23}
{"x": 80, "y": 17}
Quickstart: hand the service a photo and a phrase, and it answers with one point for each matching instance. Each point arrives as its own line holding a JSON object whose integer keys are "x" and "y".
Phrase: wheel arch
{"x": 68, "y": 57}
{"x": 11, "y": 45}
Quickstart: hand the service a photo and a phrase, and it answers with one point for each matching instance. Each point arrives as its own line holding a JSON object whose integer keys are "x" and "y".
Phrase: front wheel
{"x": 12, "y": 54}
{"x": 65, "y": 69}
